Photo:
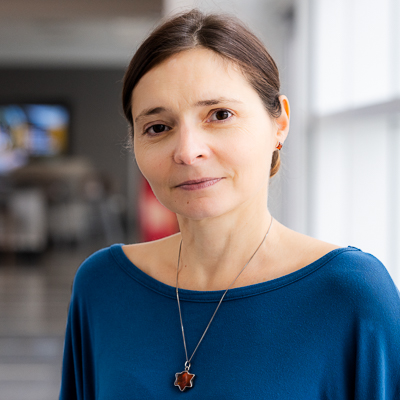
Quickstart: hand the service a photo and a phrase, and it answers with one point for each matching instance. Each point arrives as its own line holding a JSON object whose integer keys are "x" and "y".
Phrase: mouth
{"x": 196, "y": 184}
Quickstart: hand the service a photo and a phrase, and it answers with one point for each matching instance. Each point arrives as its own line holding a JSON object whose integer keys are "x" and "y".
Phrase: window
{"x": 355, "y": 129}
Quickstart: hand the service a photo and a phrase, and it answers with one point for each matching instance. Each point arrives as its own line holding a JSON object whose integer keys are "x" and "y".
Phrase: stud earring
{"x": 279, "y": 145}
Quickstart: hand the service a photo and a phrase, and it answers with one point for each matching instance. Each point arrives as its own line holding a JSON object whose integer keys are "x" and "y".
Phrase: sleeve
{"x": 77, "y": 379}
{"x": 378, "y": 334}
{"x": 71, "y": 378}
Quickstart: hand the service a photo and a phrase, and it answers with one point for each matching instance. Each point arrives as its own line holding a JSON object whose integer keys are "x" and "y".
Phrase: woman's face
{"x": 202, "y": 136}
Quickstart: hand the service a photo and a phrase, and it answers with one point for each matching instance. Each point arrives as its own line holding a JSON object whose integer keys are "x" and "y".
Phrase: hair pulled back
{"x": 223, "y": 34}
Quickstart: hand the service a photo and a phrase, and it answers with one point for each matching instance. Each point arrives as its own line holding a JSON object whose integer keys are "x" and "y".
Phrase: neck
{"x": 215, "y": 250}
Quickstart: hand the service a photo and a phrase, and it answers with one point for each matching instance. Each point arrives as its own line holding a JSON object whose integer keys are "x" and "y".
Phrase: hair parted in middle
{"x": 223, "y": 34}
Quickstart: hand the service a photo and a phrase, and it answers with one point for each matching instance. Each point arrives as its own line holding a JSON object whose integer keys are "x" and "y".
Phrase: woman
{"x": 295, "y": 318}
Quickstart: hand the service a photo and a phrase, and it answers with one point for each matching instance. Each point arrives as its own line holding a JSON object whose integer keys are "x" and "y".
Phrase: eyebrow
{"x": 150, "y": 111}
{"x": 213, "y": 102}
{"x": 201, "y": 103}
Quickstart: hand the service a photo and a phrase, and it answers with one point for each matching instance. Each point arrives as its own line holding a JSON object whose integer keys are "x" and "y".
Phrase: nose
{"x": 190, "y": 146}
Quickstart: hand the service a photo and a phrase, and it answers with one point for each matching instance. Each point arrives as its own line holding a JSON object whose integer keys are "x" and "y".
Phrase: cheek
{"x": 154, "y": 166}
{"x": 254, "y": 164}
{"x": 254, "y": 147}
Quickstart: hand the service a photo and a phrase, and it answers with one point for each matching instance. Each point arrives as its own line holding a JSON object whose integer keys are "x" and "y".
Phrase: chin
{"x": 198, "y": 209}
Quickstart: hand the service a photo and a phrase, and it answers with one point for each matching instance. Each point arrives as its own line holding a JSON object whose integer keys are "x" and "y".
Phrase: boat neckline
{"x": 215, "y": 295}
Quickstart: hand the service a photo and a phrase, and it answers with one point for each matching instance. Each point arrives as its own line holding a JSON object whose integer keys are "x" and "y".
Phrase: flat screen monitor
{"x": 32, "y": 130}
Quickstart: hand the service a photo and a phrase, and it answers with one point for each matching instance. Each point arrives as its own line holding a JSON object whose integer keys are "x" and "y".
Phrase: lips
{"x": 196, "y": 184}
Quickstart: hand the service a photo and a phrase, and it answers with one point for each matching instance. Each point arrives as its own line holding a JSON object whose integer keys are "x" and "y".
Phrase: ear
{"x": 283, "y": 121}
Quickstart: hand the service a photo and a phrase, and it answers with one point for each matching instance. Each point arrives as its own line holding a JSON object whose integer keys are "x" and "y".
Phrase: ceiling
{"x": 73, "y": 32}
{"x": 49, "y": 9}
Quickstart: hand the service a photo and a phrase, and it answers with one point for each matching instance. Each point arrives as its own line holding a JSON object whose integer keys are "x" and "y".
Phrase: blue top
{"x": 330, "y": 330}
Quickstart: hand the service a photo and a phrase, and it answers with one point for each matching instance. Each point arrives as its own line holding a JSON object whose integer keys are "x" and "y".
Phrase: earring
{"x": 279, "y": 145}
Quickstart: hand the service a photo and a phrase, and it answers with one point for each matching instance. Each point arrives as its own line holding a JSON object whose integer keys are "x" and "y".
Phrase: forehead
{"x": 189, "y": 76}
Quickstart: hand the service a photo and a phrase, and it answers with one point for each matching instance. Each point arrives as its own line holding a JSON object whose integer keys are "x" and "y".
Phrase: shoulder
{"x": 364, "y": 282}
{"x": 353, "y": 265}
{"x": 96, "y": 267}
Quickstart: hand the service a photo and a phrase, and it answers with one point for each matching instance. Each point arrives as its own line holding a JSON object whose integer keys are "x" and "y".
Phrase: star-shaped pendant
{"x": 184, "y": 380}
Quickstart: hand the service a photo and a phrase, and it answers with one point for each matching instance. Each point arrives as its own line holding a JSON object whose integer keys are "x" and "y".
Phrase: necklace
{"x": 184, "y": 379}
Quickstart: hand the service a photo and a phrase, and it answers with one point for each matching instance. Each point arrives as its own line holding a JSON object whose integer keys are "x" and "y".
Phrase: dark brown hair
{"x": 223, "y": 34}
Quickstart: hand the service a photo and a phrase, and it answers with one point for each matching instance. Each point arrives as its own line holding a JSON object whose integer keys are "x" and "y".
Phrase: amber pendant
{"x": 184, "y": 379}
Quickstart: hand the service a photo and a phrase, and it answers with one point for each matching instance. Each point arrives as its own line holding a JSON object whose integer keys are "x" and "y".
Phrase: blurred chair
{"x": 63, "y": 201}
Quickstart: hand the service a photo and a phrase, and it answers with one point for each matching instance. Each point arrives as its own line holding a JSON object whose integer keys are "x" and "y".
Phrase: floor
{"x": 34, "y": 298}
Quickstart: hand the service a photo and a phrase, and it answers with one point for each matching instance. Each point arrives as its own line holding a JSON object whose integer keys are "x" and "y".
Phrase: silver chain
{"x": 187, "y": 363}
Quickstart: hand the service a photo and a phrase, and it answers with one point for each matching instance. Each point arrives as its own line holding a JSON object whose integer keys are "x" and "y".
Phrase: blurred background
{"x": 69, "y": 184}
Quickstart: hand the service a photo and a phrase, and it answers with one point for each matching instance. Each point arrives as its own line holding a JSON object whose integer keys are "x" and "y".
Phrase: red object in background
{"x": 155, "y": 220}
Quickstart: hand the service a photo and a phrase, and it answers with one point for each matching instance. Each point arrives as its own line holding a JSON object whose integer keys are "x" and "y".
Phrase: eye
{"x": 157, "y": 129}
{"x": 220, "y": 115}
